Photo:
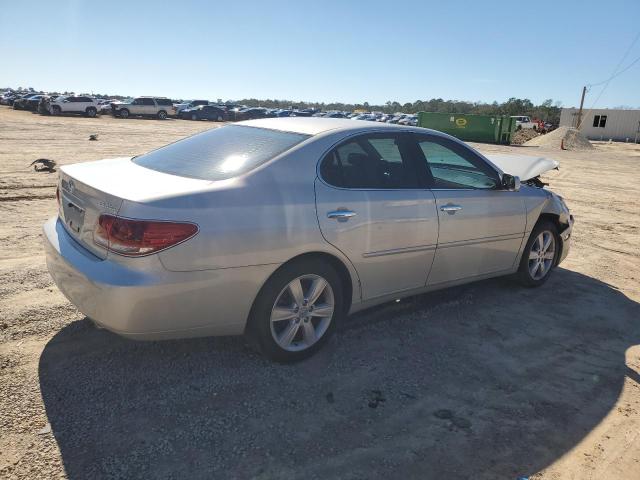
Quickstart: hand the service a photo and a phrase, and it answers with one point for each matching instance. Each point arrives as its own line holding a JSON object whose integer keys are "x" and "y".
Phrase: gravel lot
{"x": 486, "y": 381}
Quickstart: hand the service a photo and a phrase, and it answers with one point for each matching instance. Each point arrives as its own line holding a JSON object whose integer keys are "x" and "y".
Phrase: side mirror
{"x": 510, "y": 182}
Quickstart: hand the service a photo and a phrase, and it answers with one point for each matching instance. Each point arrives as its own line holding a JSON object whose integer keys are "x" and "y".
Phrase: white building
{"x": 605, "y": 124}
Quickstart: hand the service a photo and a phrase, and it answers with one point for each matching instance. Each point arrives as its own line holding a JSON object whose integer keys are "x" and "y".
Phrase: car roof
{"x": 318, "y": 125}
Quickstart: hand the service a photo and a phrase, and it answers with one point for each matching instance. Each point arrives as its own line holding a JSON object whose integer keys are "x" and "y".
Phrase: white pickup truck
{"x": 524, "y": 122}
{"x": 158, "y": 107}
{"x": 74, "y": 104}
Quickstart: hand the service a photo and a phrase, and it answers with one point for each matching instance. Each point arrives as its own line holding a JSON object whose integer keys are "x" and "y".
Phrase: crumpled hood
{"x": 523, "y": 166}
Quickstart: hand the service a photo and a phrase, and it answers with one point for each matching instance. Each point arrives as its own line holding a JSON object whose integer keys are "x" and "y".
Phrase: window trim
{"x": 380, "y": 133}
{"x": 488, "y": 169}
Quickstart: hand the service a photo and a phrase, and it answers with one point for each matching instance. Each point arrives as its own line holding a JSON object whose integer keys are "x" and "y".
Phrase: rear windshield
{"x": 220, "y": 153}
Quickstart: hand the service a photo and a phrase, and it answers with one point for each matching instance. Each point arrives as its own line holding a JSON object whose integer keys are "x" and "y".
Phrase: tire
{"x": 194, "y": 116}
{"x": 16, "y": 107}
{"x": 162, "y": 115}
{"x": 303, "y": 329}
{"x": 219, "y": 119}
{"x": 123, "y": 113}
{"x": 536, "y": 264}
{"x": 91, "y": 112}
{"x": 55, "y": 110}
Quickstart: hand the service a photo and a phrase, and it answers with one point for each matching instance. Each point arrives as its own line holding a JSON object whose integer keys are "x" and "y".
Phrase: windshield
{"x": 220, "y": 153}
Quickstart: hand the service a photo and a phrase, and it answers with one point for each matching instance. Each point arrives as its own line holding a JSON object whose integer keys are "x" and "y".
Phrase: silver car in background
{"x": 277, "y": 228}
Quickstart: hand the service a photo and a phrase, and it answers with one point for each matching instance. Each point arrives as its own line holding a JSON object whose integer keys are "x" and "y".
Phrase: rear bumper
{"x": 151, "y": 303}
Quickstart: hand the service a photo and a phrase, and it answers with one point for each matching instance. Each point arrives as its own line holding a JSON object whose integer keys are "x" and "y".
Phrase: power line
{"x": 616, "y": 72}
{"x": 589, "y": 85}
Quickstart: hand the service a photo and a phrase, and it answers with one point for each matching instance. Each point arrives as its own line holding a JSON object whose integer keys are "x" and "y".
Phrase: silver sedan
{"x": 278, "y": 228}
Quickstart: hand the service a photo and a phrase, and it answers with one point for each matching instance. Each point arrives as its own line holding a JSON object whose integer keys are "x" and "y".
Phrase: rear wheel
{"x": 540, "y": 255}
{"x": 194, "y": 116}
{"x": 91, "y": 112}
{"x": 124, "y": 113}
{"x": 162, "y": 115}
{"x": 296, "y": 311}
{"x": 219, "y": 119}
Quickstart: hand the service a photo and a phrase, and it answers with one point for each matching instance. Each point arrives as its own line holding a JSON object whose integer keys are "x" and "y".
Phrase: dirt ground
{"x": 485, "y": 381}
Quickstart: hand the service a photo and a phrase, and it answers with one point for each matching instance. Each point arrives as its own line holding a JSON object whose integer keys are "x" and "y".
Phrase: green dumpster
{"x": 469, "y": 127}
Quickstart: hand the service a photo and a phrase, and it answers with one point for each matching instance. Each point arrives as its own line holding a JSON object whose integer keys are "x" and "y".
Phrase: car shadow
{"x": 484, "y": 381}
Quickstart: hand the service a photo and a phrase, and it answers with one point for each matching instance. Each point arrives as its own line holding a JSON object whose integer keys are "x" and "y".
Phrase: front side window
{"x": 220, "y": 153}
{"x": 370, "y": 162}
{"x": 453, "y": 167}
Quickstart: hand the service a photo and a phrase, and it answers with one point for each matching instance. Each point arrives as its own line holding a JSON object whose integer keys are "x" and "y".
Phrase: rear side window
{"x": 370, "y": 162}
{"x": 163, "y": 101}
{"x": 220, "y": 153}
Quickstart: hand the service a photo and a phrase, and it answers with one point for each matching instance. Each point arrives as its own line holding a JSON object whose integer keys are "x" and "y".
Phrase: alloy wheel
{"x": 542, "y": 255}
{"x": 302, "y": 312}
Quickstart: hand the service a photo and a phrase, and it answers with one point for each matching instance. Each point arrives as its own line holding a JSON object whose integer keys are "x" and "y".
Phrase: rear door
{"x": 481, "y": 225}
{"x": 73, "y": 105}
{"x": 372, "y": 205}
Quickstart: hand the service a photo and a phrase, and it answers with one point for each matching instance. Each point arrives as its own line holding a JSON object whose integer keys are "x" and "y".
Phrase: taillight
{"x": 140, "y": 237}
{"x": 58, "y": 195}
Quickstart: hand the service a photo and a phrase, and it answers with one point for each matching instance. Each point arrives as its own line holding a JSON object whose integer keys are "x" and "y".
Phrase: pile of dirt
{"x": 523, "y": 135}
{"x": 567, "y": 138}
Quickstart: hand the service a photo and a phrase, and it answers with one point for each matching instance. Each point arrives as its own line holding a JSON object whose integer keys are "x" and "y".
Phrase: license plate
{"x": 74, "y": 216}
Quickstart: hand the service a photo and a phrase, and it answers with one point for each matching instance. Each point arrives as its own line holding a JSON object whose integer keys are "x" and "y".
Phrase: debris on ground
{"x": 93, "y": 137}
{"x": 565, "y": 138}
{"x": 523, "y": 135}
{"x": 43, "y": 165}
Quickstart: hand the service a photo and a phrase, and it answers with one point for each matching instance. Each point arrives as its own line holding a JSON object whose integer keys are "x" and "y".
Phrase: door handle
{"x": 450, "y": 208}
{"x": 341, "y": 215}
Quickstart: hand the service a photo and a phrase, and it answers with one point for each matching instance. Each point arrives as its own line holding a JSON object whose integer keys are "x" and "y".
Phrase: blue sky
{"x": 349, "y": 51}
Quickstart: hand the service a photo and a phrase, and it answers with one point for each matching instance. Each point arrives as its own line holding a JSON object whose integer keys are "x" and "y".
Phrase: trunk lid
{"x": 90, "y": 189}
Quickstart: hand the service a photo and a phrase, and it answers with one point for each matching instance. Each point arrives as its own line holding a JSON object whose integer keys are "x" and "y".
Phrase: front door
{"x": 481, "y": 225}
{"x": 373, "y": 207}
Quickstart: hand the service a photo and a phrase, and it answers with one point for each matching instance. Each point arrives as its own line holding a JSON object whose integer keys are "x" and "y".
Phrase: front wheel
{"x": 55, "y": 110}
{"x": 296, "y": 311}
{"x": 162, "y": 115}
{"x": 124, "y": 113}
{"x": 194, "y": 116}
{"x": 91, "y": 112}
{"x": 540, "y": 255}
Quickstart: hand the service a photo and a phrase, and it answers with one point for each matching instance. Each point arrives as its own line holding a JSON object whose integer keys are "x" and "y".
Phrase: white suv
{"x": 71, "y": 104}
{"x": 158, "y": 107}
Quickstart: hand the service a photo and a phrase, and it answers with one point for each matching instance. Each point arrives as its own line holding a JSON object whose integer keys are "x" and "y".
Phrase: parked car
{"x": 74, "y": 104}
{"x": 7, "y": 98}
{"x": 31, "y": 103}
{"x": 277, "y": 228}
{"x": 282, "y": 113}
{"x": 23, "y": 102}
{"x": 158, "y": 107}
{"x": 204, "y": 112}
{"x": 104, "y": 106}
{"x": 178, "y": 107}
{"x": 250, "y": 113}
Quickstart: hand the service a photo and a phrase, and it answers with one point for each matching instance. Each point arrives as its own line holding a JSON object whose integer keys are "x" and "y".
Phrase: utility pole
{"x": 584, "y": 92}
